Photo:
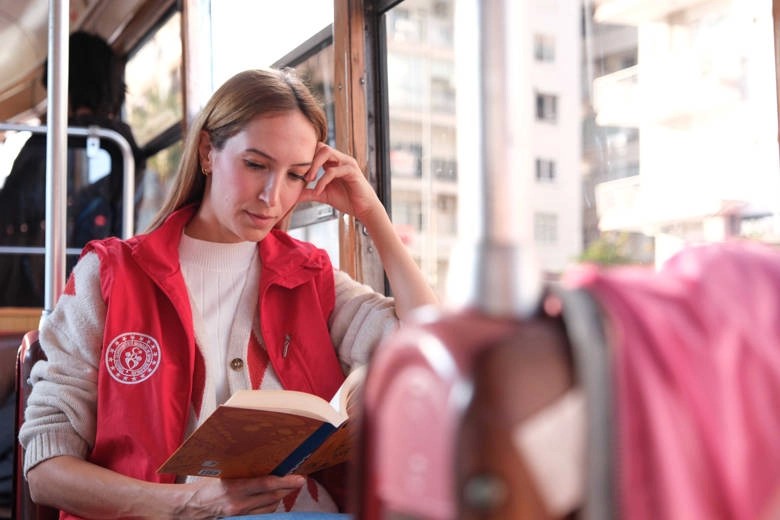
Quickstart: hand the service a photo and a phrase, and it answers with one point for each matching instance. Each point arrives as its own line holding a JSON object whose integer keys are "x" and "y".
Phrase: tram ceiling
{"x": 24, "y": 40}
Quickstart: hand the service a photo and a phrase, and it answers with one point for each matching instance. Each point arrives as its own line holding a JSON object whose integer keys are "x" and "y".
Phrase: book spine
{"x": 304, "y": 450}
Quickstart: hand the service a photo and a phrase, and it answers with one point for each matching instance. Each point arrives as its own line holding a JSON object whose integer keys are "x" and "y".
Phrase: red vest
{"x": 151, "y": 370}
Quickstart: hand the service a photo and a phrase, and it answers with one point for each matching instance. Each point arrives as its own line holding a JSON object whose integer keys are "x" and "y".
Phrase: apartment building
{"x": 423, "y": 133}
{"x": 702, "y": 100}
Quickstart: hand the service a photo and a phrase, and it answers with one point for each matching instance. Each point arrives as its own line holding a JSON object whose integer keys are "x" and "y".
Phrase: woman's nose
{"x": 270, "y": 193}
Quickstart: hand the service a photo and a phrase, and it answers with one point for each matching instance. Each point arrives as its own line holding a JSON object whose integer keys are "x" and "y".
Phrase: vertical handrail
{"x": 56, "y": 149}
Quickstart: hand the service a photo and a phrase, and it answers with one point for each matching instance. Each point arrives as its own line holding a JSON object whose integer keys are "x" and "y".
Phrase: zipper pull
{"x": 286, "y": 347}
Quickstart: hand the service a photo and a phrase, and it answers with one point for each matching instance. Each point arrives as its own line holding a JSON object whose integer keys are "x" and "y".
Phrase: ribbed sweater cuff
{"x": 53, "y": 444}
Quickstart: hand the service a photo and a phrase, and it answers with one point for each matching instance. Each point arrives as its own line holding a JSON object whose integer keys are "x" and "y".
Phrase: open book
{"x": 262, "y": 432}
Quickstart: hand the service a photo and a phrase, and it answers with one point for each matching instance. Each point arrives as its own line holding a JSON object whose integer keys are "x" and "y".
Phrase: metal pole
{"x": 494, "y": 267}
{"x": 56, "y": 151}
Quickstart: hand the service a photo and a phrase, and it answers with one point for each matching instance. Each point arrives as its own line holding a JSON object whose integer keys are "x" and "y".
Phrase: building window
{"x": 545, "y": 228}
{"x": 447, "y": 206}
{"x": 443, "y": 94}
{"x": 545, "y": 170}
{"x": 406, "y": 160}
{"x": 546, "y": 107}
{"x": 544, "y": 48}
{"x": 445, "y": 169}
{"x": 408, "y": 212}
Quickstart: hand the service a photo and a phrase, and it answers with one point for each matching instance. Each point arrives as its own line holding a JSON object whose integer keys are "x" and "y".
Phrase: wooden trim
{"x": 350, "y": 113}
{"x": 19, "y": 320}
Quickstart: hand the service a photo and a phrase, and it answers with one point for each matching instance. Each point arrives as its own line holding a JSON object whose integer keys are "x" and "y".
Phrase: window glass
{"x": 422, "y": 155}
{"x": 680, "y": 133}
{"x": 546, "y": 107}
{"x": 247, "y": 34}
{"x": 545, "y": 170}
{"x": 545, "y": 228}
{"x": 312, "y": 221}
{"x": 153, "y": 77}
{"x": 160, "y": 169}
{"x": 250, "y": 34}
{"x": 153, "y": 106}
{"x": 651, "y": 125}
{"x": 544, "y": 47}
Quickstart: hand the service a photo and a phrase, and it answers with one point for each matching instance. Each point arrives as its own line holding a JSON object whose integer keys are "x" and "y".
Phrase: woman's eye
{"x": 255, "y": 166}
{"x": 297, "y": 176}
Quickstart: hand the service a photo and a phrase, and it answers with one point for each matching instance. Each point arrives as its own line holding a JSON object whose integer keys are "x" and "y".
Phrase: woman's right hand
{"x": 214, "y": 498}
{"x": 90, "y": 491}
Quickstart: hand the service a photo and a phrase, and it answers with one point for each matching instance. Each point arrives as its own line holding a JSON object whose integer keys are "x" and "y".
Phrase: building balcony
{"x": 616, "y": 99}
{"x": 634, "y": 12}
{"x": 617, "y": 205}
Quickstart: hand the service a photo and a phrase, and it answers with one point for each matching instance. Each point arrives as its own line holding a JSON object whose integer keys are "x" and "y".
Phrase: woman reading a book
{"x": 153, "y": 333}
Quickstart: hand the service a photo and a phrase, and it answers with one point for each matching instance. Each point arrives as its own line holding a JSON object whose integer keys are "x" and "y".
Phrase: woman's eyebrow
{"x": 271, "y": 158}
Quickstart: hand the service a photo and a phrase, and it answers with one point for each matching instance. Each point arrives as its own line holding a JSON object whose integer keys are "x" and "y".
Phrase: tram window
{"x": 664, "y": 134}
{"x": 153, "y": 78}
{"x": 421, "y": 108}
{"x": 283, "y": 38}
{"x": 681, "y": 145}
{"x": 154, "y": 110}
{"x": 10, "y": 145}
{"x": 258, "y": 33}
{"x": 313, "y": 62}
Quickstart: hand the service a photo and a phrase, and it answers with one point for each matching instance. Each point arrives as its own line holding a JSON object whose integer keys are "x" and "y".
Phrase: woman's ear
{"x": 204, "y": 151}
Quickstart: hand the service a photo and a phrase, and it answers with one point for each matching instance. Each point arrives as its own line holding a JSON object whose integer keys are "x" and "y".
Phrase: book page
{"x": 286, "y": 401}
{"x": 354, "y": 380}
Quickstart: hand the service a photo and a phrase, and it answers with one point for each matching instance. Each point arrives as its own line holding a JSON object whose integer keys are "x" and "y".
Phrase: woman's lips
{"x": 261, "y": 219}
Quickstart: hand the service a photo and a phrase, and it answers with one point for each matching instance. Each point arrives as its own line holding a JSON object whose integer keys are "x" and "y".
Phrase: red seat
{"x": 24, "y": 508}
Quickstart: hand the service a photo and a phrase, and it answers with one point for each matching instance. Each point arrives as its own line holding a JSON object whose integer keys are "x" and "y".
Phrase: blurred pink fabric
{"x": 696, "y": 361}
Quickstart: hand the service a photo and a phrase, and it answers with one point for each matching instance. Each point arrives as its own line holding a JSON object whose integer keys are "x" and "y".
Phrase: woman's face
{"x": 255, "y": 179}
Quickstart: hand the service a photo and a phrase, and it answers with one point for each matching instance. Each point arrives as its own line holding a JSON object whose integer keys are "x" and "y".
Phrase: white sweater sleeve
{"x": 361, "y": 319}
{"x": 61, "y": 409}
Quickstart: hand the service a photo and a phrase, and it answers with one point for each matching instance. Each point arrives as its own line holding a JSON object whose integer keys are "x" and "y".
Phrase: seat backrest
{"x": 24, "y": 508}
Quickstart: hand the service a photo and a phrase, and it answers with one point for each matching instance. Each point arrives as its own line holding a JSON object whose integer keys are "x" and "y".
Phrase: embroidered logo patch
{"x": 132, "y": 357}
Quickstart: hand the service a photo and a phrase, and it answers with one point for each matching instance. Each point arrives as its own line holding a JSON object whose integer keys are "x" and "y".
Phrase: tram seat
{"x": 679, "y": 371}
{"x": 691, "y": 355}
{"x": 24, "y": 508}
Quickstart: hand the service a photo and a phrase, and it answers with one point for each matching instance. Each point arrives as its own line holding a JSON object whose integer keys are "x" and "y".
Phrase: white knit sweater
{"x": 60, "y": 415}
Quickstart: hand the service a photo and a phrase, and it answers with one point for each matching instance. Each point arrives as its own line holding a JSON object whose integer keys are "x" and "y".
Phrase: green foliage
{"x": 609, "y": 249}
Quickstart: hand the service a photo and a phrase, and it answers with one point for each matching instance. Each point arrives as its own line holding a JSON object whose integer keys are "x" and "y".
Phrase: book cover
{"x": 276, "y": 432}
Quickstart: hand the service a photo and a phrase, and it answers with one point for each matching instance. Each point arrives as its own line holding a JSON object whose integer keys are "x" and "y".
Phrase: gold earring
{"x": 204, "y": 171}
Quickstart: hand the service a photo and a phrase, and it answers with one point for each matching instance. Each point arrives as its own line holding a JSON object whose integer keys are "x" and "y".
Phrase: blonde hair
{"x": 239, "y": 100}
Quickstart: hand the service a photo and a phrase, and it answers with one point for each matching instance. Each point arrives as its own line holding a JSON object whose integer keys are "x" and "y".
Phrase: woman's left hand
{"x": 343, "y": 184}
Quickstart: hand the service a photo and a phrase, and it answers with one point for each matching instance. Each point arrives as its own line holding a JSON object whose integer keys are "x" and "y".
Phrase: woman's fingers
{"x": 265, "y": 497}
{"x": 329, "y": 158}
{"x": 230, "y": 497}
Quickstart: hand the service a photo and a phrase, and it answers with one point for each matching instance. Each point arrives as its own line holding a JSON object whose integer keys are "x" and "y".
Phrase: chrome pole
{"x": 56, "y": 151}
